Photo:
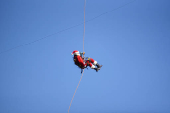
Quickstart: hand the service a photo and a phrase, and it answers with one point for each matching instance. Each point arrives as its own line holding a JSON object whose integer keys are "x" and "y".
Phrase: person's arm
{"x": 82, "y": 53}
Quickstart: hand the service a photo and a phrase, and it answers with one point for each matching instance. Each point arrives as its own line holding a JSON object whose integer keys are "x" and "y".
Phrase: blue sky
{"x": 132, "y": 43}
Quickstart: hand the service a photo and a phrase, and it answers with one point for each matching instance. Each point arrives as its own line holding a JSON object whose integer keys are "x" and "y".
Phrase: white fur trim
{"x": 92, "y": 67}
{"x": 77, "y": 53}
{"x": 95, "y": 62}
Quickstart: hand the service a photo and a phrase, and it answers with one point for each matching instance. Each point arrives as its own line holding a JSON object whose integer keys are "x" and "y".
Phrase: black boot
{"x": 96, "y": 69}
{"x": 98, "y": 66}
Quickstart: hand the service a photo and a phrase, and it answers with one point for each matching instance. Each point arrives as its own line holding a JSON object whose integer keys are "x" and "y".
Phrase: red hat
{"x": 75, "y": 52}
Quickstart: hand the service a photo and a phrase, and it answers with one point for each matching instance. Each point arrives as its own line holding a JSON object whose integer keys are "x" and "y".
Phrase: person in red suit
{"x": 84, "y": 62}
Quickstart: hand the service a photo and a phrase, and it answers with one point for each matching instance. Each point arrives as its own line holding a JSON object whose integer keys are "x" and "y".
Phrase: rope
{"x": 84, "y": 24}
{"x": 75, "y": 92}
{"x": 83, "y": 57}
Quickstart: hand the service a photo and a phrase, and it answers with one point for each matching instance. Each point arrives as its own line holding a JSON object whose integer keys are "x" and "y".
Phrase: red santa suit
{"x": 78, "y": 60}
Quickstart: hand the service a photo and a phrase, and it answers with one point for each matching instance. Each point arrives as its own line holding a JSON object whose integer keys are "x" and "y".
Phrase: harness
{"x": 88, "y": 60}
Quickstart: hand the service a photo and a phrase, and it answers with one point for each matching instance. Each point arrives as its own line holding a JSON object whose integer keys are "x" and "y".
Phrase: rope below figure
{"x": 75, "y": 92}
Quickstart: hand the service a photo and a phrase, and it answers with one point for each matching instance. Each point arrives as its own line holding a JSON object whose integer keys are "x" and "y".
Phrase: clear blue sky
{"x": 132, "y": 43}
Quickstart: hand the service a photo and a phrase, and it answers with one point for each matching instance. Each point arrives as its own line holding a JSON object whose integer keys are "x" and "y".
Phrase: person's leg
{"x": 94, "y": 62}
{"x": 88, "y": 63}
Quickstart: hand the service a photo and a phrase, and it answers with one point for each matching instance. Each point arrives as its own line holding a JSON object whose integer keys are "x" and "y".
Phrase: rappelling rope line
{"x": 84, "y": 25}
{"x": 75, "y": 92}
{"x": 83, "y": 57}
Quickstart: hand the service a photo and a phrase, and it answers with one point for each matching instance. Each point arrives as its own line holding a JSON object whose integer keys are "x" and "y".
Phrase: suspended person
{"x": 84, "y": 62}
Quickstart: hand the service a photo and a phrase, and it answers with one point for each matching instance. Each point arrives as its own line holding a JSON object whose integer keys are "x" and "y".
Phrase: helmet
{"x": 75, "y": 52}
